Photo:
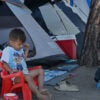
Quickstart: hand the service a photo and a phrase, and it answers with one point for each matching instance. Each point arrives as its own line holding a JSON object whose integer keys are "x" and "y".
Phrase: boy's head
{"x": 17, "y": 38}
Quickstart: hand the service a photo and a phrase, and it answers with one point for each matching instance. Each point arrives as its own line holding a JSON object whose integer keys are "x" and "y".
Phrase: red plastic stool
{"x": 10, "y": 96}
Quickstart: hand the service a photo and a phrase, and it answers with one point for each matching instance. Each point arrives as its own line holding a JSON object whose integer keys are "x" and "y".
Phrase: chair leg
{"x": 27, "y": 95}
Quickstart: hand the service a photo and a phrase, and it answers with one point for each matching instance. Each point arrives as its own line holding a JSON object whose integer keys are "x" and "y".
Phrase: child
{"x": 13, "y": 58}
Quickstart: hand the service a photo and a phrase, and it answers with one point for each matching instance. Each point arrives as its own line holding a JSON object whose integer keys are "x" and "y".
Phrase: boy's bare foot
{"x": 45, "y": 92}
{"x": 43, "y": 97}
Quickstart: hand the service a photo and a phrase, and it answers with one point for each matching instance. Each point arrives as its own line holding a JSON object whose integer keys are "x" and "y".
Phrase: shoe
{"x": 66, "y": 86}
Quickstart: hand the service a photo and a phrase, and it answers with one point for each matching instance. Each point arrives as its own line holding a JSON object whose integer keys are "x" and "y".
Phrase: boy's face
{"x": 16, "y": 44}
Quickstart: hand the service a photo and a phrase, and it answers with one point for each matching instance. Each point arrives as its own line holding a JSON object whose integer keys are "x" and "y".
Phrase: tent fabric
{"x": 89, "y": 2}
{"x": 80, "y": 42}
{"x": 35, "y": 3}
{"x": 9, "y": 21}
{"x": 59, "y": 24}
{"x": 7, "y": 18}
{"x": 53, "y": 22}
{"x": 72, "y": 16}
{"x": 70, "y": 27}
{"x": 72, "y": 2}
{"x": 46, "y": 49}
{"x": 77, "y": 11}
{"x": 82, "y": 7}
{"x": 5, "y": 10}
{"x": 36, "y": 14}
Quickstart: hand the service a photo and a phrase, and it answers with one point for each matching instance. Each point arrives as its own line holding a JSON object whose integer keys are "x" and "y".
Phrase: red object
{"x": 7, "y": 84}
{"x": 69, "y": 47}
{"x": 0, "y": 53}
{"x": 15, "y": 97}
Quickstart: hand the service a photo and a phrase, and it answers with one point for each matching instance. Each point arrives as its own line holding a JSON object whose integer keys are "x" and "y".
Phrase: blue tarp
{"x": 53, "y": 77}
{"x": 50, "y": 74}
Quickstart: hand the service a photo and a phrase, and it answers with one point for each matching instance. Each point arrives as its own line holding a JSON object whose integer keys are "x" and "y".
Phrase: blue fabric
{"x": 52, "y": 77}
{"x": 50, "y": 74}
{"x": 71, "y": 2}
{"x": 68, "y": 67}
{"x": 89, "y": 2}
{"x": 54, "y": 81}
{"x": 71, "y": 61}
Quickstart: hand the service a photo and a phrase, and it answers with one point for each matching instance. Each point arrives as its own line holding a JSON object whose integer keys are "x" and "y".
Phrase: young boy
{"x": 13, "y": 58}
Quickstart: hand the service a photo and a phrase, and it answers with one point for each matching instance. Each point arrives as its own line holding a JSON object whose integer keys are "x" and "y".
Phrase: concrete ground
{"x": 84, "y": 79}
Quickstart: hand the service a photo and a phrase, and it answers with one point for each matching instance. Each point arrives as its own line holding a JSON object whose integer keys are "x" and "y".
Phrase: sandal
{"x": 66, "y": 86}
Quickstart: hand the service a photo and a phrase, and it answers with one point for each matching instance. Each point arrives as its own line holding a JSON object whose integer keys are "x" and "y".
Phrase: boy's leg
{"x": 33, "y": 88}
{"x": 40, "y": 74}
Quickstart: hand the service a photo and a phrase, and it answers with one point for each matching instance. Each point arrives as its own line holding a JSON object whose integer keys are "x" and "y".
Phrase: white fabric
{"x": 52, "y": 20}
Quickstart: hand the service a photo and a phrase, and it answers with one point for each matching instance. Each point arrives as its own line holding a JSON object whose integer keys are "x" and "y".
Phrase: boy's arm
{"x": 7, "y": 67}
{"x": 26, "y": 48}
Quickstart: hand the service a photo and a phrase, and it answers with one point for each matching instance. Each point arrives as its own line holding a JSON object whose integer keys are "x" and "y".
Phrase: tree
{"x": 90, "y": 54}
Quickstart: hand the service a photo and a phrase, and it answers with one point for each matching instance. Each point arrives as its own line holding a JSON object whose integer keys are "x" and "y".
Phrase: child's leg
{"x": 40, "y": 74}
{"x": 31, "y": 85}
{"x": 33, "y": 88}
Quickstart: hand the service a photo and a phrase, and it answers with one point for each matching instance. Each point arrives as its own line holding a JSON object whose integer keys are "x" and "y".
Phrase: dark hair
{"x": 17, "y": 34}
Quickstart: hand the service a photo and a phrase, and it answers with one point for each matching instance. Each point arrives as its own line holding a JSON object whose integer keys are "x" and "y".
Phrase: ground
{"x": 84, "y": 79}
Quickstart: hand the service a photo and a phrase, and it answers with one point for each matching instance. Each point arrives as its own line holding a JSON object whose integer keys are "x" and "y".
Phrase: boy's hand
{"x": 26, "y": 46}
{"x": 15, "y": 70}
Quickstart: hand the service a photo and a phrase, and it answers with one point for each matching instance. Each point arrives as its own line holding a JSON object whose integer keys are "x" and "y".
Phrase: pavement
{"x": 84, "y": 79}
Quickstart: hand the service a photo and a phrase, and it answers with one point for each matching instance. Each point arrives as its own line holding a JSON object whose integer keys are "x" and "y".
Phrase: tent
{"x": 65, "y": 20}
{"x": 43, "y": 49}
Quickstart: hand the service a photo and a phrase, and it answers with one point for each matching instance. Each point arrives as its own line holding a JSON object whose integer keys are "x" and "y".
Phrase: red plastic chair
{"x": 7, "y": 84}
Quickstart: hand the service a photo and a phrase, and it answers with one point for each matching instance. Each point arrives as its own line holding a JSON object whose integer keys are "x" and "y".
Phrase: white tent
{"x": 46, "y": 49}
